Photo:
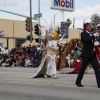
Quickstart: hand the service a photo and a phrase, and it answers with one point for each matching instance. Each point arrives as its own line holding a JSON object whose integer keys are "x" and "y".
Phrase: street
{"x": 15, "y": 84}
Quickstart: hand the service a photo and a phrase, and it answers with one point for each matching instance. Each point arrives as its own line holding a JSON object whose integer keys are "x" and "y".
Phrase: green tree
{"x": 94, "y": 19}
{"x": 69, "y": 22}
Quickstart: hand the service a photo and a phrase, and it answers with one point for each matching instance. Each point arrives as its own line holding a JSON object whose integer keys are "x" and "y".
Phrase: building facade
{"x": 15, "y": 33}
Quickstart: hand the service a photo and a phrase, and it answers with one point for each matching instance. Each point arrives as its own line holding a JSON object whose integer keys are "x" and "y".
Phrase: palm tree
{"x": 69, "y": 22}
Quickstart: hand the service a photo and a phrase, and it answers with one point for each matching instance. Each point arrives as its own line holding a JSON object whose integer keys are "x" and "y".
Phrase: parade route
{"x": 38, "y": 37}
{"x": 15, "y": 84}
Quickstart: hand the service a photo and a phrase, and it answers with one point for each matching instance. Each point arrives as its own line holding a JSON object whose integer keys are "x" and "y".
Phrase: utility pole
{"x": 73, "y": 23}
{"x": 62, "y": 15}
{"x": 30, "y": 21}
{"x": 18, "y": 14}
{"x": 54, "y": 20}
{"x": 39, "y": 10}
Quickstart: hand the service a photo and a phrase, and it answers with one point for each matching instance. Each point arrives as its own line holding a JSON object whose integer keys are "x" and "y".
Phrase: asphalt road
{"x": 15, "y": 84}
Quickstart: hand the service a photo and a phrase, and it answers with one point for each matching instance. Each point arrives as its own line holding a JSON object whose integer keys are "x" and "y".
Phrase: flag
{"x": 1, "y": 34}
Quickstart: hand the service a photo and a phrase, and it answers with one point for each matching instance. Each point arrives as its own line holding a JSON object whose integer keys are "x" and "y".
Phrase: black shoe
{"x": 79, "y": 85}
{"x": 99, "y": 86}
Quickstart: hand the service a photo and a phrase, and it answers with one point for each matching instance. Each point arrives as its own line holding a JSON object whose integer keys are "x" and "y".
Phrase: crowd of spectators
{"x": 21, "y": 56}
{"x": 32, "y": 55}
{"x": 74, "y": 52}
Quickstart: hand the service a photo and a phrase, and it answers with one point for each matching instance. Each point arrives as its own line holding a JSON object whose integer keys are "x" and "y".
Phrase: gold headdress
{"x": 55, "y": 35}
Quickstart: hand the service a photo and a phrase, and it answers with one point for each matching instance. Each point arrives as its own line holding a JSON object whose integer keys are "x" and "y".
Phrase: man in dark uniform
{"x": 88, "y": 55}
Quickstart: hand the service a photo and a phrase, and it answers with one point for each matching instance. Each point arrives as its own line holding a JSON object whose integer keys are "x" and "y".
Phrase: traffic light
{"x": 27, "y": 24}
{"x": 58, "y": 31}
{"x": 38, "y": 40}
{"x": 28, "y": 37}
{"x": 36, "y": 29}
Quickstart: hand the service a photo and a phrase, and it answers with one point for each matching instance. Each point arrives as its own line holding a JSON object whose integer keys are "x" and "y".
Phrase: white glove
{"x": 96, "y": 43}
{"x": 96, "y": 34}
{"x": 60, "y": 39}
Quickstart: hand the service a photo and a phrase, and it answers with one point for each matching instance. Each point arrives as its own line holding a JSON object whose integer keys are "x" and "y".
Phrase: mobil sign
{"x": 64, "y": 5}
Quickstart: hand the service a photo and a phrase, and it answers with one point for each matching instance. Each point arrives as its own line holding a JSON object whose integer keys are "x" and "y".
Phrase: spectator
{"x": 1, "y": 61}
{"x": 27, "y": 61}
{"x": 73, "y": 57}
{"x": 20, "y": 57}
{"x": 6, "y": 63}
{"x": 4, "y": 57}
{"x": 72, "y": 46}
{"x": 11, "y": 60}
{"x": 79, "y": 49}
{"x": 6, "y": 51}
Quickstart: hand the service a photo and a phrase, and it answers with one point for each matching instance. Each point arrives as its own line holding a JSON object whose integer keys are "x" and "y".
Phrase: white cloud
{"x": 78, "y": 14}
{"x": 83, "y": 14}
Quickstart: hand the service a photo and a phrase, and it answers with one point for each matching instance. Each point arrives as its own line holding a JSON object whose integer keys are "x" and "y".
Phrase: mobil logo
{"x": 64, "y": 3}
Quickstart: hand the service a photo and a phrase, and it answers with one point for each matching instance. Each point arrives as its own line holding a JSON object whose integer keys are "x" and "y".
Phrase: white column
{"x": 62, "y": 16}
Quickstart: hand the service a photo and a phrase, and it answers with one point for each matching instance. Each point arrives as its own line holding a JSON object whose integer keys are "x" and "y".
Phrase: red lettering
{"x": 62, "y": 3}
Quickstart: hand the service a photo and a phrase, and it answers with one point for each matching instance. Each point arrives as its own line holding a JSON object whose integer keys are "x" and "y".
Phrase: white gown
{"x": 51, "y": 68}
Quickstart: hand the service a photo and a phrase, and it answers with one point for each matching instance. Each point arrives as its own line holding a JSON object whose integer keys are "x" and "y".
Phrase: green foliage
{"x": 69, "y": 22}
{"x": 94, "y": 19}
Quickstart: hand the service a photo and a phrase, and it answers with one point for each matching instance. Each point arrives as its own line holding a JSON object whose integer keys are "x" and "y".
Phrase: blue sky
{"x": 83, "y": 10}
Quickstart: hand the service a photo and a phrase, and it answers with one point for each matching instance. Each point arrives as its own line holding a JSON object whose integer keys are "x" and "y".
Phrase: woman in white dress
{"x": 48, "y": 64}
{"x": 52, "y": 55}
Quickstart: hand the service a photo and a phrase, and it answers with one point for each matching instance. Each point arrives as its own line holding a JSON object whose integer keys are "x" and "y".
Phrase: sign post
{"x": 63, "y": 5}
{"x": 31, "y": 21}
{"x": 64, "y": 29}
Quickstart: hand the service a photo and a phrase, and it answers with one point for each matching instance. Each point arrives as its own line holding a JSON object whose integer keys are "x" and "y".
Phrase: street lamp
{"x": 54, "y": 17}
{"x": 84, "y": 21}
